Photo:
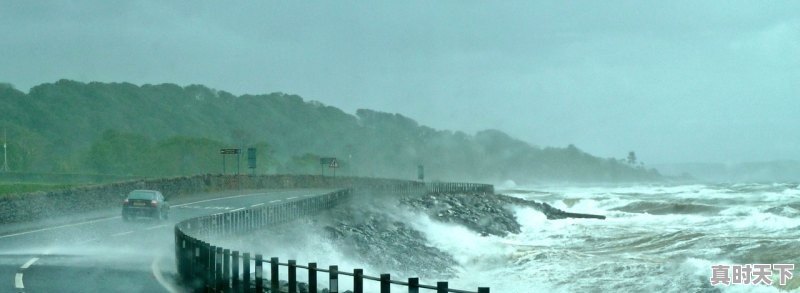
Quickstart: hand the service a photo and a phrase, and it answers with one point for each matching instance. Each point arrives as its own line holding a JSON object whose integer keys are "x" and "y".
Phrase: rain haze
{"x": 674, "y": 81}
{"x": 517, "y": 146}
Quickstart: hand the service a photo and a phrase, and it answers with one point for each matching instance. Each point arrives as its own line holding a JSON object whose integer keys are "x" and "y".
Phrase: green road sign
{"x": 251, "y": 158}
{"x": 229, "y": 151}
{"x": 326, "y": 161}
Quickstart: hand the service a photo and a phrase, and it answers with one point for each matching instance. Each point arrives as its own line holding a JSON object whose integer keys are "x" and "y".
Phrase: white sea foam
{"x": 629, "y": 251}
{"x": 466, "y": 246}
{"x": 508, "y": 184}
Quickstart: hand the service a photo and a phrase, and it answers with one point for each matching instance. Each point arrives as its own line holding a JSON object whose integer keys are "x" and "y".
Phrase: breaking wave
{"x": 656, "y": 238}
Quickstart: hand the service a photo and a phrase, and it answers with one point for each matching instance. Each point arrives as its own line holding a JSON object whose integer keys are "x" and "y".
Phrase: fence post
{"x": 259, "y": 273}
{"x": 226, "y": 224}
{"x": 274, "y": 281}
{"x": 441, "y": 287}
{"x": 333, "y": 277}
{"x": 385, "y": 285}
{"x": 184, "y": 257}
{"x": 220, "y": 229}
{"x": 248, "y": 219}
{"x": 226, "y": 269}
{"x": 246, "y": 271}
{"x": 235, "y": 274}
{"x": 413, "y": 285}
{"x": 483, "y": 289}
{"x": 188, "y": 255}
{"x": 358, "y": 281}
{"x": 218, "y": 268}
{"x": 200, "y": 272}
{"x": 312, "y": 277}
{"x": 292, "y": 276}
{"x": 180, "y": 248}
{"x": 234, "y": 223}
{"x": 209, "y": 266}
{"x": 197, "y": 265}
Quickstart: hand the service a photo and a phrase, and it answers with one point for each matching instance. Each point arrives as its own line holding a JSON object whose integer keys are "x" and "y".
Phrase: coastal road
{"x": 108, "y": 255}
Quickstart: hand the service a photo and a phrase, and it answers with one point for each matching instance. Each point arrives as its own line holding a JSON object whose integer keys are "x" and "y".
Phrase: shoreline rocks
{"x": 373, "y": 237}
{"x": 549, "y": 211}
{"x": 374, "y": 231}
{"x": 484, "y": 214}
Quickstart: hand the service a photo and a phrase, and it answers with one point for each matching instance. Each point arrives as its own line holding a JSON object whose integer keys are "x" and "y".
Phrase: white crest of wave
{"x": 508, "y": 184}
{"x": 467, "y": 246}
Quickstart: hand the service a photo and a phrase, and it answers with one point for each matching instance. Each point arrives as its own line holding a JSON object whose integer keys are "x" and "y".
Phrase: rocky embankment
{"x": 549, "y": 211}
{"x": 385, "y": 241}
{"x": 378, "y": 233}
{"x": 487, "y": 214}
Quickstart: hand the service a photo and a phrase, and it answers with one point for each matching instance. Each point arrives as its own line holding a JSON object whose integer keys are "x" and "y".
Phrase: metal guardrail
{"x": 204, "y": 267}
{"x": 435, "y": 187}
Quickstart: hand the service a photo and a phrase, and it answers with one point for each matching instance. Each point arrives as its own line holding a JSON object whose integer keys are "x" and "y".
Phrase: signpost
{"x": 225, "y": 152}
{"x": 333, "y": 165}
{"x": 5, "y": 152}
{"x": 251, "y": 160}
{"x": 330, "y": 162}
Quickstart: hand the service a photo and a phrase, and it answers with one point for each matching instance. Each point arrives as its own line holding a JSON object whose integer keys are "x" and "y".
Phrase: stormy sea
{"x": 655, "y": 239}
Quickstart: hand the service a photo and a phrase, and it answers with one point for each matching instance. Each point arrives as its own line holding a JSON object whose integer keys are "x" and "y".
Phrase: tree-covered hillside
{"x": 166, "y": 130}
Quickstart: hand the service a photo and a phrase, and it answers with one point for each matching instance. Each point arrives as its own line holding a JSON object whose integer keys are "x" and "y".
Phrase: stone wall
{"x": 40, "y": 205}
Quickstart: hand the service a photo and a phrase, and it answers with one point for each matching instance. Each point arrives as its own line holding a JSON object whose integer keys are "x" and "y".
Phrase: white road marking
{"x": 18, "y": 281}
{"x": 18, "y": 277}
{"x": 239, "y": 209}
{"x": 160, "y": 278}
{"x": 258, "y": 204}
{"x": 206, "y": 207}
{"x": 293, "y": 197}
{"x": 29, "y": 263}
{"x": 122, "y": 233}
{"x": 277, "y": 200}
{"x": 221, "y": 198}
{"x": 156, "y": 227}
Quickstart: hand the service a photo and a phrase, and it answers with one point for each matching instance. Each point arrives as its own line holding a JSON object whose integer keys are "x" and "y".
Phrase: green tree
{"x": 181, "y": 155}
{"x": 120, "y": 153}
{"x": 631, "y": 158}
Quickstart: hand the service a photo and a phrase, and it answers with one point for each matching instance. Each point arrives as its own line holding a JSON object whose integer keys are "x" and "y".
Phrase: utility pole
{"x": 5, "y": 151}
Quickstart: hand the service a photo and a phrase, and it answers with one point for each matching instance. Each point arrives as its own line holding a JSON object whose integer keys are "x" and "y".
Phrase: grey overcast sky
{"x": 675, "y": 81}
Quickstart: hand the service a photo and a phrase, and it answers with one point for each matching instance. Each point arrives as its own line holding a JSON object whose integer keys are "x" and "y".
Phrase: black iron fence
{"x": 448, "y": 187}
{"x": 204, "y": 267}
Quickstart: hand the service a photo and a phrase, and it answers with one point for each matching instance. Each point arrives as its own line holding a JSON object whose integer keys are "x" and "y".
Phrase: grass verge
{"x": 8, "y": 188}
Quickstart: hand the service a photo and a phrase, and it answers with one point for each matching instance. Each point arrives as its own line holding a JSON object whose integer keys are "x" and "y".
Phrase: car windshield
{"x": 142, "y": 195}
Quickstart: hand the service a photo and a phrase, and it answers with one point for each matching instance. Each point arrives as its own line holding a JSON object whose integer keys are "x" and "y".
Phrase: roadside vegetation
{"x": 7, "y": 188}
{"x": 170, "y": 130}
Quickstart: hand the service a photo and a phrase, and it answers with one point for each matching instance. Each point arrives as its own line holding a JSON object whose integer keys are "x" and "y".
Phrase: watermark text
{"x": 750, "y": 274}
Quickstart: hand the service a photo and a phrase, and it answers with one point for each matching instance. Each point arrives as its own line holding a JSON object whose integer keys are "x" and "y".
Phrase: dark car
{"x": 145, "y": 203}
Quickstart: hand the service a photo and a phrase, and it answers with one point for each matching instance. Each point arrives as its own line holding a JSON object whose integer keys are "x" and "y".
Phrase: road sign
{"x": 251, "y": 158}
{"x": 224, "y": 152}
{"x": 326, "y": 161}
{"x": 229, "y": 151}
{"x": 333, "y": 164}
